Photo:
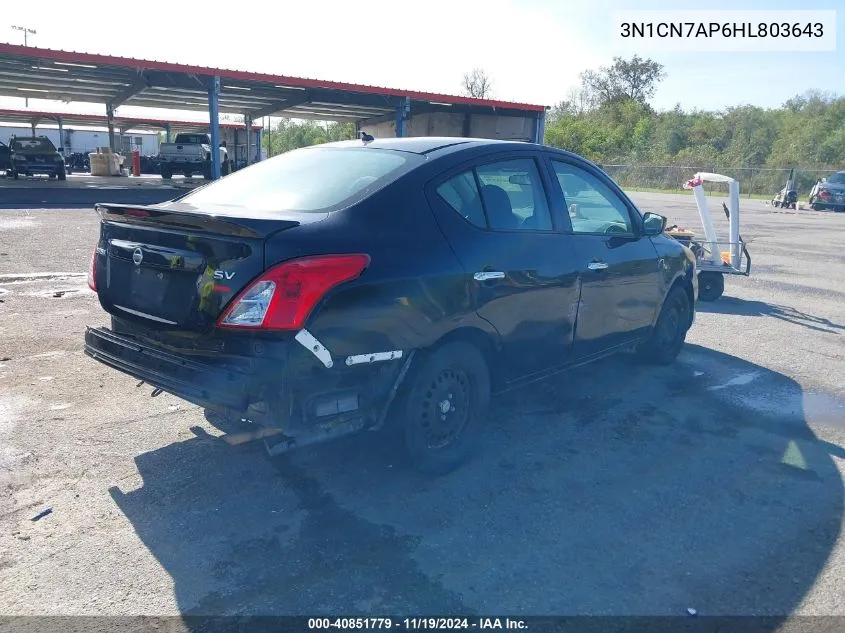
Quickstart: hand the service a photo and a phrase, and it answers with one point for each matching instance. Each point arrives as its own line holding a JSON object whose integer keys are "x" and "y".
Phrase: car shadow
{"x": 614, "y": 490}
{"x": 745, "y": 307}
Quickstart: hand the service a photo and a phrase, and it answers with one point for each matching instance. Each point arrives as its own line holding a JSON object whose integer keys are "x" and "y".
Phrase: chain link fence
{"x": 752, "y": 180}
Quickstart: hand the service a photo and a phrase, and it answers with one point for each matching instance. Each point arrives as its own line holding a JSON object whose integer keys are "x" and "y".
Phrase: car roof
{"x": 425, "y": 144}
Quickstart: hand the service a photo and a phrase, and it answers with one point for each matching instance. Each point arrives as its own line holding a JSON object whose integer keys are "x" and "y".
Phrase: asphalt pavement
{"x": 714, "y": 484}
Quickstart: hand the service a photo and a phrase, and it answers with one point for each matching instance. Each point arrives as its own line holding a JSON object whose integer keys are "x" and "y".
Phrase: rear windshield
{"x": 33, "y": 144}
{"x": 837, "y": 178}
{"x": 191, "y": 139}
{"x": 310, "y": 179}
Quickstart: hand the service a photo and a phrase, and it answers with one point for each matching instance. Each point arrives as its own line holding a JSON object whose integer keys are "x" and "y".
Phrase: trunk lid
{"x": 175, "y": 267}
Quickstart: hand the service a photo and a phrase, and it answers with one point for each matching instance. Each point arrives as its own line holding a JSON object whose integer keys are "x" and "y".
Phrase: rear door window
{"x": 461, "y": 193}
{"x": 513, "y": 195}
{"x": 505, "y": 195}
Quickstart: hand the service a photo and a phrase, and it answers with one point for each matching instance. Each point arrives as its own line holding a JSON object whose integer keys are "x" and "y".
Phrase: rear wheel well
{"x": 479, "y": 339}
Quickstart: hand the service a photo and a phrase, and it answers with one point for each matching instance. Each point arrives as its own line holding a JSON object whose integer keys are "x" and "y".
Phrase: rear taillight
{"x": 824, "y": 193}
{"x": 92, "y": 271}
{"x": 283, "y": 297}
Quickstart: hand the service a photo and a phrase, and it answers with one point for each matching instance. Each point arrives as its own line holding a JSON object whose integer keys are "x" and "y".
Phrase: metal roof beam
{"x": 362, "y": 113}
{"x": 56, "y": 95}
{"x": 273, "y": 108}
{"x": 317, "y": 116}
{"x": 141, "y": 82}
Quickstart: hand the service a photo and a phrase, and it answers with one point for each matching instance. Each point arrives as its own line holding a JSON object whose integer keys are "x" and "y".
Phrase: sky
{"x": 534, "y": 50}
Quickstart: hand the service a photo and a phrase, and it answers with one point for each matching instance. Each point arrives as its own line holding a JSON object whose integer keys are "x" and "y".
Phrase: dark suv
{"x": 36, "y": 155}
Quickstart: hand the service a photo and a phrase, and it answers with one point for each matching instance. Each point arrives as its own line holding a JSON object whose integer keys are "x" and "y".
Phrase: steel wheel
{"x": 444, "y": 407}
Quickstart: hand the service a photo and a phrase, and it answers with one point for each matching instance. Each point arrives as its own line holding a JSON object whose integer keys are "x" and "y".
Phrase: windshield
{"x": 30, "y": 144}
{"x": 310, "y": 179}
{"x": 837, "y": 178}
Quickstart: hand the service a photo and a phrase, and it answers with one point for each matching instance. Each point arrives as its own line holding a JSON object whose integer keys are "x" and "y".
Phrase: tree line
{"x": 608, "y": 118}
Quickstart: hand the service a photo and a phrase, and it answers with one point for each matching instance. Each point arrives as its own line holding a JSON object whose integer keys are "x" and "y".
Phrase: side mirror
{"x": 653, "y": 224}
{"x": 823, "y": 180}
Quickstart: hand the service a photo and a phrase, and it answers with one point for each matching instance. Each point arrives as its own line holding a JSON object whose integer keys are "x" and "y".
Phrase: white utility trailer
{"x": 715, "y": 258}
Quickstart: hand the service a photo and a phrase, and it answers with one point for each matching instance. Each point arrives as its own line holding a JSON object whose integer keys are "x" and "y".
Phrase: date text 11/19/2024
{"x": 413, "y": 624}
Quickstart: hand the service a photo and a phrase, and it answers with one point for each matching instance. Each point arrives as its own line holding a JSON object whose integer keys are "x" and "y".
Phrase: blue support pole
{"x": 214, "y": 125}
{"x": 402, "y": 112}
{"x": 167, "y": 133}
{"x": 258, "y": 144}
{"x": 541, "y": 128}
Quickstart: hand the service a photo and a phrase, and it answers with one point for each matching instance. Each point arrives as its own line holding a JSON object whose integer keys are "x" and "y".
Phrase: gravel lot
{"x": 714, "y": 484}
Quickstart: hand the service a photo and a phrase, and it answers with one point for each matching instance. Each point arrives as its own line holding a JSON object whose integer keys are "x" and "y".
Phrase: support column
{"x": 33, "y": 129}
{"x": 214, "y": 126}
{"x": 258, "y": 137}
{"x": 248, "y": 121}
{"x": 110, "y": 123}
{"x": 168, "y": 132}
{"x": 235, "y": 164}
{"x": 402, "y": 112}
{"x": 61, "y": 136}
{"x": 541, "y": 128}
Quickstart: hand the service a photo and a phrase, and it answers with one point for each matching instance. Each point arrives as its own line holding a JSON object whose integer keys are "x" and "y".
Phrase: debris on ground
{"x": 4, "y": 359}
{"x": 692, "y": 611}
{"x": 42, "y": 514}
{"x": 60, "y": 293}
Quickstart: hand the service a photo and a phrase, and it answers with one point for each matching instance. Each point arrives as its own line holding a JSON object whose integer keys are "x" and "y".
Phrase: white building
{"x": 85, "y": 140}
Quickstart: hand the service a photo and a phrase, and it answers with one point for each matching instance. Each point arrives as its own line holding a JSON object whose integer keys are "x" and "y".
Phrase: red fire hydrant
{"x": 136, "y": 163}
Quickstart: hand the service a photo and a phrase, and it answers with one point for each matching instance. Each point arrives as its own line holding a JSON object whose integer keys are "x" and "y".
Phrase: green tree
{"x": 289, "y": 134}
{"x": 635, "y": 79}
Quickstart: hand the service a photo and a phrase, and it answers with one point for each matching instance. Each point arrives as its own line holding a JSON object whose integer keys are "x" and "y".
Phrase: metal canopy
{"x": 125, "y": 123}
{"x": 56, "y": 75}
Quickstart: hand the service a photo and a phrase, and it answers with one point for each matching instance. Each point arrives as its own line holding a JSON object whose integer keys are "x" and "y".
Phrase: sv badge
{"x": 223, "y": 274}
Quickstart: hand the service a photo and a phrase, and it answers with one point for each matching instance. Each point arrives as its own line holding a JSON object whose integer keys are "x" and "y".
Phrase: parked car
{"x": 190, "y": 154}
{"x": 388, "y": 285}
{"x": 5, "y": 158}
{"x": 829, "y": 193}
{"x": 32, "y": 155}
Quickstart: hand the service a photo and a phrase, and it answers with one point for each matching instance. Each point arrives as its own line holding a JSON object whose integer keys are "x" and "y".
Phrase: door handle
{"x": 488, "y": 274}
{"x": 597, "y": 266}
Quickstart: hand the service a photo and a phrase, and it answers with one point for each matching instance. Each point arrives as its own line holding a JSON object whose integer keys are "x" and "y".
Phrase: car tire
{"x": 166, "y": 174}
{"x": 775, "y": 203}
{"x": 15, "y": 175}
{"x": 670, "y": 331}
{"x": 711, "y": 285}
{"x": 451, "y": 383}
{"x": 61, "y": 174}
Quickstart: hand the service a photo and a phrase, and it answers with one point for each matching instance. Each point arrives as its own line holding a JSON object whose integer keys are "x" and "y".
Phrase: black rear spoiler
{"x": 234, "y": 225}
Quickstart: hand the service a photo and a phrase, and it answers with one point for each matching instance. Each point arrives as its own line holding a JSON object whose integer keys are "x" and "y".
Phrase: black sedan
{"x": 392, "y": 284}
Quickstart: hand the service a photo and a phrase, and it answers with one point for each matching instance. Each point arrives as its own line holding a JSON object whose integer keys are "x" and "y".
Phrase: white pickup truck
{"x": 190, "y": 154}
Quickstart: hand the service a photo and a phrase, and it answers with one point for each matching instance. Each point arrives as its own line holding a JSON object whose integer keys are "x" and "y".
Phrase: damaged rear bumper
{"x": 204, "y": 384}
{"x": 289, "y": 385}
